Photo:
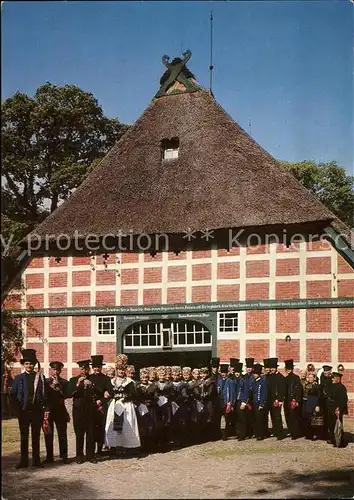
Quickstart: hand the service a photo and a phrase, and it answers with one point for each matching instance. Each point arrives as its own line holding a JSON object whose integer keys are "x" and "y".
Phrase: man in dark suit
{"x": 292, "y": 399}
{"x": 103, "y": 391}
{"x": 337, "y": 404}
{"x": 57, "y": 391}
{"x": 82, "y": 390}
{"x": 249, "y": 379}
{"x": 276, "y": 394}
{"x": 216, "y": 421}
{"x": 28, "y": 395}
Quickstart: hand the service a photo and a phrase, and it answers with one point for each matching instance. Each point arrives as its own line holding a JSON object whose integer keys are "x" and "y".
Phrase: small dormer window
{"x": 170, "y": 148}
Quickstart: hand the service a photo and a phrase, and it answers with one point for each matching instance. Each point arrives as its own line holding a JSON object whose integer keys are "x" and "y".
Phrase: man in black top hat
{"x": 28, "y": 394}
{"x": 231, "y": 420}
{"x": 325, "y": 390}
{"x": 259, "y": 398}
{"x": 337, "y": 404}
{"x": 214, "y": 367}
{"x": 82, "y": 390}
{"x": 103, "y": 391}
{"x": 266, "y": 410}
{"x": 216, "y": 430}
{"x": 232, "y": 364}
{"x": 57, "y": 391}
{"x": 292, "y": 400}
{"x": 249, "y": 379}
{"x": 276, "y": 394}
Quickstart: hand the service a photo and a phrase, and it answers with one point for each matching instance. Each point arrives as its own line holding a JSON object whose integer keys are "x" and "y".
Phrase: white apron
{"x": 129, "y": 436}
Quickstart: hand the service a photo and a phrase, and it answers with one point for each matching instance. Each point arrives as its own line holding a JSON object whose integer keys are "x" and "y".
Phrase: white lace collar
{"x": 121, "y": 382}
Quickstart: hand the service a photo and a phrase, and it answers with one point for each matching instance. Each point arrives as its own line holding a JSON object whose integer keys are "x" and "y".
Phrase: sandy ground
{"x": 266, "y": 469}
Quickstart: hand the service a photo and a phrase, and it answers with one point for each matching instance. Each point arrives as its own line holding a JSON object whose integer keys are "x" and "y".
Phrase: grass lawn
{"x": 10, "y": 437}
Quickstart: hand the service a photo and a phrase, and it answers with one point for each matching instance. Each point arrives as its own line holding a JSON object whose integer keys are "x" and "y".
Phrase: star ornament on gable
{"x": 190, "y": 234}
{"x": 207, "y": 234}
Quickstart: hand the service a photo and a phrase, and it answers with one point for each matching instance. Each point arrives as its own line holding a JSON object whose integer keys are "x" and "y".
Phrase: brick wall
{"x": 287, "y": 320}
{"x": 34, "y": 281}
{"x": 228, "y": 349}
{"x": 257, "y": 322}
{"x": 236, "y": 273}
{"x": 58, "y": 326}
{"x": 152, "y": 275}
{"x": 319, "y": 320}
{"x": 318, "y": 350}
{"x": 288, "y": 350}
{"x": 176, "y": 295}
{"x": 57, "y": 280}
{"x": 257, "y": 349}
{"x": 288, "y": 267}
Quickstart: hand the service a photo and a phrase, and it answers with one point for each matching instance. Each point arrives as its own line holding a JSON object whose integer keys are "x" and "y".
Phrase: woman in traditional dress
{"x": 146, "y": 400}
{"x": 179, "y": 406}
{"x": 196, "y": 405}
{"x": 110, "y": 371}
{"x": 121, "y": 423}
{"x": 152, "y": 374}
{"x": 302, "y": 375}
{"x": 209, "y": 400}
{"x": 164, "y": 388}
{"x": 130, "y": 372}
{"x": 310, "y": 407}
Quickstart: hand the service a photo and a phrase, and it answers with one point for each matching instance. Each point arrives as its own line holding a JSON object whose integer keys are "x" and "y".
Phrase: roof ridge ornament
{"x": 186, "y": 56}
{"x": 177, "y": 72}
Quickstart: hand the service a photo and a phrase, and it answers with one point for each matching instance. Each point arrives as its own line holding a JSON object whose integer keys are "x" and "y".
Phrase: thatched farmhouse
{"x": 187, "y": 241}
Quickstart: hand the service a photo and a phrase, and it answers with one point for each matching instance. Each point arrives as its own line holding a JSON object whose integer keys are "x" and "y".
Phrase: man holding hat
{"x": 82, "y": 390}
{"x": 28, "y": 393}
{"x": 259, "y": 398}
{"x": 337, "y": 404}
{"x": 57, "y": 391}
{"x": 103, "y": 392}
{"x": 276, "y": 393}
{"x": 292, "y": 400}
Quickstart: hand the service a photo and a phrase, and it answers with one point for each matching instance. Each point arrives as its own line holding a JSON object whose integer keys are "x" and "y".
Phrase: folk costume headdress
{"x": 121, "y": 361}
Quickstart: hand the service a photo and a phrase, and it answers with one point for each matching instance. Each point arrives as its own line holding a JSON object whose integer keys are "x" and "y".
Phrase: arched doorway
{"x": 172, "y": 341}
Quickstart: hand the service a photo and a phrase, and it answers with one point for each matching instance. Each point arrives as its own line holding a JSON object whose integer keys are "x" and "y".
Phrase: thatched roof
{"x": 221, "y": 179}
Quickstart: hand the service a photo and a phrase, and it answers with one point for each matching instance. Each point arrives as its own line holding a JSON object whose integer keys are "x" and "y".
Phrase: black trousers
{"x": 33, "y": 418}
{"x": 266, "y": 412}
{"x": 292, "y": 417}
{"x": 216, "y": 423}
{"x": 259, "y": 419}
{"x": 249, "y": 422}
{"x": 277, "y": 423}
{"x": 240, "y": 421}
{"x": 84, "y": 427}
{"x": 61, "y": 425}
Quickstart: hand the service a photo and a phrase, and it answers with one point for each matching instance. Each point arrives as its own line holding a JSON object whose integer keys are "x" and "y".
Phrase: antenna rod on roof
{"x": 250, "y": 127}
{"x": 211, "y": 67}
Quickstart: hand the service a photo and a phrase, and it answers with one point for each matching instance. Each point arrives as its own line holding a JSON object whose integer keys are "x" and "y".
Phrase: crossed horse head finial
{"x": 186, "y": 56}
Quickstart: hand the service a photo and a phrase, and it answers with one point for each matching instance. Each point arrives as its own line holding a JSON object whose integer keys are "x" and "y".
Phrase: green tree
{"x": 330, "y": 183}
{"x": 49, "y": 143}
{"x": 11, "y": 337}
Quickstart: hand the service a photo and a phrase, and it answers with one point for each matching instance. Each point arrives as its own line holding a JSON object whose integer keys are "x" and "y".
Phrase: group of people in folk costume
{"x": 171, "y": 405}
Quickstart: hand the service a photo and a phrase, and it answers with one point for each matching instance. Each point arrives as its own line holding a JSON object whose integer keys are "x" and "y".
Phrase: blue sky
{"x": 286, "y": 66}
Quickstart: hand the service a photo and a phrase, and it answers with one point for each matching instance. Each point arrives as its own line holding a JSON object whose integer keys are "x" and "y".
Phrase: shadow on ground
{"x": 334, "y": 483}
{"x": 35, "y": 483}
